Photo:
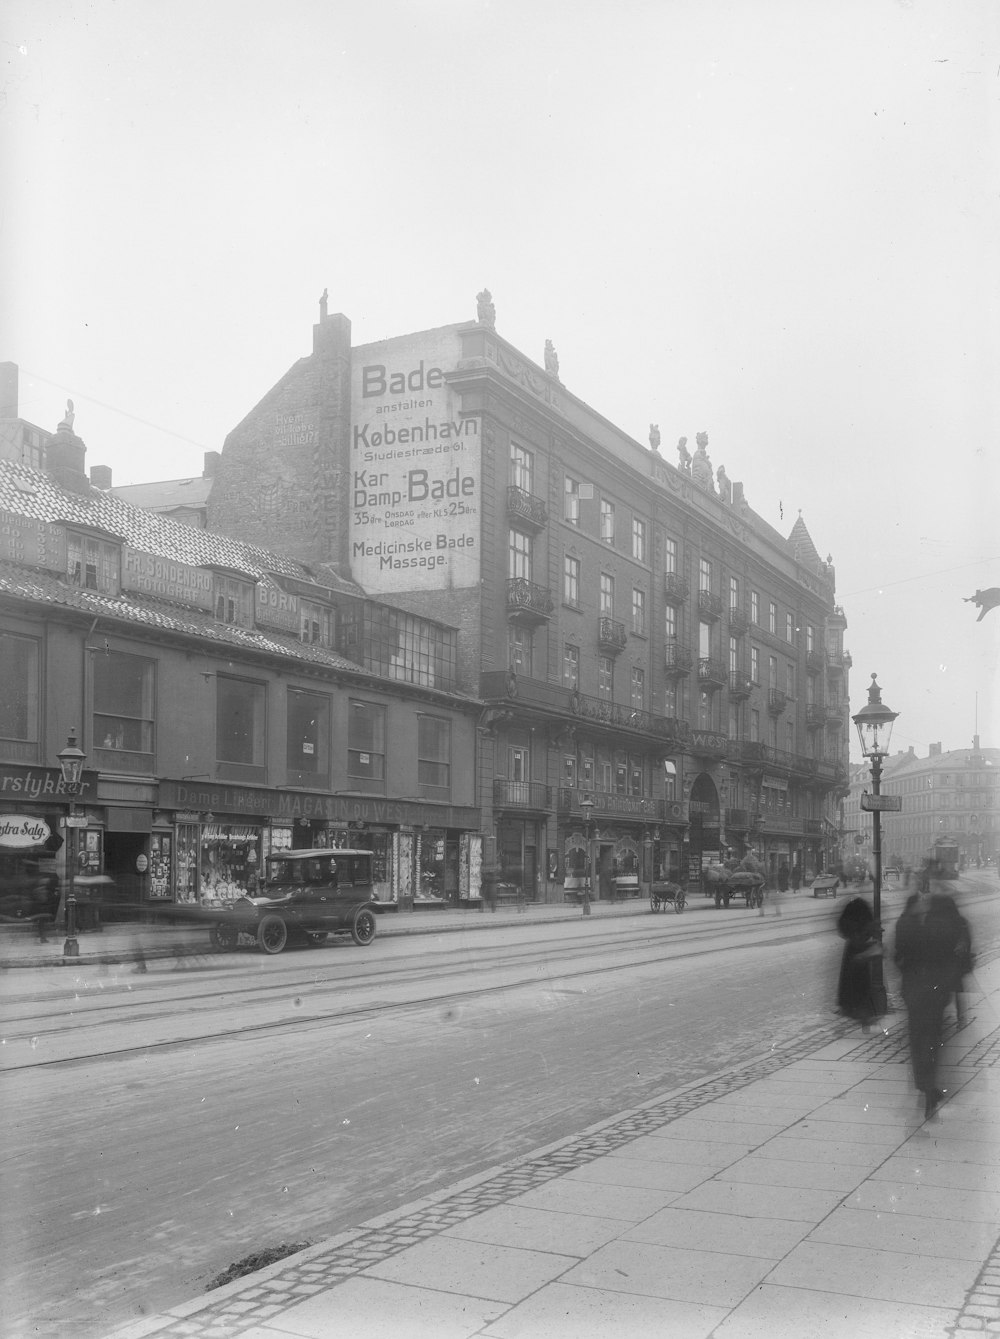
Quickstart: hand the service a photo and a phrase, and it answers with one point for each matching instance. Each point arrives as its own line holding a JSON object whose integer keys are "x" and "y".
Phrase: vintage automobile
{"x": 307, "y": 895}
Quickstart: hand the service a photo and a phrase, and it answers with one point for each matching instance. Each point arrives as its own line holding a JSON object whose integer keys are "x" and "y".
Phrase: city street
{"x": 161, "y": 1125}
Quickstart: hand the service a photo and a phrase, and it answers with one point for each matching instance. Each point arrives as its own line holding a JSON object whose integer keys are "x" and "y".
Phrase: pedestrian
{"x": 927, "y": 952}
{"x": 964, "y": 959}
{"x": 796, "y": 877}
{"x": 861, "y": 933}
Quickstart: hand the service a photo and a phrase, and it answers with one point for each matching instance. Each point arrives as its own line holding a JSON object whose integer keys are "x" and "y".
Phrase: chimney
{"x": 211, "y": 466}
{"x": 8, "y": 390}
{"x": 100, "y": 477}
{"x": 934, "y": 751}
{"x": 975, "y": 743}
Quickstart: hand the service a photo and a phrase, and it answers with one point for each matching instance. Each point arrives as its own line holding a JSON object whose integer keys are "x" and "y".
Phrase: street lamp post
{"x": 874, "y": 724}
{"x": 71, "y": 761}
{"x": 587, "y": 806}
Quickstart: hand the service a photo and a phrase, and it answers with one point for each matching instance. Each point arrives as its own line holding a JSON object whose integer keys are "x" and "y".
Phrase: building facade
{"x": 203, "y": 680}
{"x": 663, "y": 674}
{"x": 948, "y": 797}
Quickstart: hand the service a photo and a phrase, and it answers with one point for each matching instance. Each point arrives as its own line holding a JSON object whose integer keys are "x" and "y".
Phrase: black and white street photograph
{"x": 500, "y": 669}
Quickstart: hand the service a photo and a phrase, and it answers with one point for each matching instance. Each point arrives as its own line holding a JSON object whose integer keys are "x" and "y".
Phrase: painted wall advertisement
{"x": 415, "y": 469}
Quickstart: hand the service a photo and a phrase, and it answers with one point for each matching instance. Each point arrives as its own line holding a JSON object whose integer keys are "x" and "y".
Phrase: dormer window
{"x": 314, "y": 625}
{"x": 93, "y": 564}
{"x": 234, "y": 601}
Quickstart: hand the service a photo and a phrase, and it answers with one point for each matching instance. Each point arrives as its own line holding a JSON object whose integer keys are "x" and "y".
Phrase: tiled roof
{"x": 167, "y": 495}
{"x": 801, "y": 543}
{"x": 29, "y": 492}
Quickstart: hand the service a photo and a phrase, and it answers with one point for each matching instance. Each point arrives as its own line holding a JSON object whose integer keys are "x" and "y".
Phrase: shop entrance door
{"x": 121, "y": 851}
{"x": 605, "y": 871}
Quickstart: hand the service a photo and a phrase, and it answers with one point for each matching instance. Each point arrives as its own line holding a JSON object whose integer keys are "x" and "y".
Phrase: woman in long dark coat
{"x": 856, "y": 925}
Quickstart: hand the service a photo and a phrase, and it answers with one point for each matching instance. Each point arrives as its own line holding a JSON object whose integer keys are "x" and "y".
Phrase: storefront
{"x": 618, "y": 838}
{"x": 34, "y": 853}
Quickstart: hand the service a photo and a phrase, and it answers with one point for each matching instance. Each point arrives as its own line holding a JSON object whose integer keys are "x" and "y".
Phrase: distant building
{"x": 953, "y": 795}
{"x": 184, "y": 500}
{"x": 663, "y": 673}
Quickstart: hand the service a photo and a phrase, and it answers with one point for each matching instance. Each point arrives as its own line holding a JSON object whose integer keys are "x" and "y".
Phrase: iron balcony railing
{"x": 709, "y": 604}
{"x": 521, "y": 795}
{"x": 712, "y": 672}
{"x": 815, "y": 716}
{"x": 677, "y": 659}
{"x": 738, "y": 621}
{"x": 740, "y": 683}
{"x": 611, "y": 636}
{"x": 675, "y": 588}
{"x": 526, "y": 507}
{"x": 777, "y": 701}
{"x": 539, "y": 695}
{"x": 527, "y": 599}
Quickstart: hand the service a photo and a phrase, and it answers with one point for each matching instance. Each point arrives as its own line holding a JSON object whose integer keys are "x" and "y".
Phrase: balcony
{"x": 528, "y": 603}
{"x": 738, "y": 621}
{"x": 709, "y": 604}
{"x": 712, "y": 673}
{"x": 675, "y": 588}
{"x": 556, "y": 703}
{"x": 815, "y": 716}
{"x": 837, "y": 661}
{"x": 607, "y": 805}
{"x": 526, "y": 508}
{"x": 834, "y": 712}
{"x": 677, "y": 659}
{"x": 522, "y": 795}
{"x": 815, "y": 660}
{"x": 740, "y": 685}
{"x": 777, "y": 701}
{"x": 611, "y": 636}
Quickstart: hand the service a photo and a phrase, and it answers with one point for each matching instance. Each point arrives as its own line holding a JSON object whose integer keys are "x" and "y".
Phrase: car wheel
{"x": 223, "y": 937}
{"x": 316, "y": 937}
{"x": 363, "y": 926}
{"x": 272, "y": 934}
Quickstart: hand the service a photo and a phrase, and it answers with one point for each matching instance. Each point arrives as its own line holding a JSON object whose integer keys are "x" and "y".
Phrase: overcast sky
{"x": 772, "y": 220}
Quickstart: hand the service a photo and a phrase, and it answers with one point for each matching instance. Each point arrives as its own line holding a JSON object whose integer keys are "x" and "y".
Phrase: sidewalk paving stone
{"x": 538, "y": 1230}
{"x": 712, "y": 1278}
{"x": 698, "y": 1229}
{"x": 890, "y": 1276}
{"x": 472, "y": 1268}
{"x": 798, "y": 1313}
{"x": 561, "y": 1311}
{"x": 907, "y": 1232}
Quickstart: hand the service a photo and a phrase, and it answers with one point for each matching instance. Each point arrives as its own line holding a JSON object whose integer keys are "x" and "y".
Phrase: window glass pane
{"x": 366, "y": 740}
{"x": 18, "y": 688}
{"x": 434, "y": 751}
{"x": 123, "y": 702}
{"x": 571, "y": 509}
{"x": 239, "y": 726}
{"x": 571, "y": 666}
{"x": 307, "y": 740}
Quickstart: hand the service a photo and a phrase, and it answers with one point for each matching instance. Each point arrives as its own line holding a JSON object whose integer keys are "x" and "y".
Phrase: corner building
{"x": 663, "y": 674}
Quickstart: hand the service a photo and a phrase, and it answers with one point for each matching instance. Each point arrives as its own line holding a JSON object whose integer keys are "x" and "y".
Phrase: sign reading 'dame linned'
{"x": 415, "y": 468}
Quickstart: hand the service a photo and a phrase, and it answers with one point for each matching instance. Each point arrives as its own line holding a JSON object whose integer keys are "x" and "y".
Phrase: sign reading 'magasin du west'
{"x": 415, "y": 468}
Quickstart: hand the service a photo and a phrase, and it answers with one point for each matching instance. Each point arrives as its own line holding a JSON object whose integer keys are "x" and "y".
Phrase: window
{"x": 239, "y": 721}
{"x": 704, "y": 640}
{"x": 772, "y": 617}
{"x": 734, "y": 593}
{"x": 569, "y": 770}
{"x": 366, "y": 745}
{"x": 314, "y": 624}
{"x": 398, "y": 645}
{"x": 637, "y": 695}
{"x": 307, "y": 737}
{"x": 234, "y": 601}
{"x": 638, "y": 539}
{"x": 639, "y": 612}
{"x": 19, "y": 696}
{"x": 789, "y": 628}
{"x": 519, "y": 555}
{"x": 704, "y": 574}
{"x": 93, "y": 563}
{"x": 772, "y": 672}
{"x": 755, "y": 724}
{"x": 571, "y": 501}
{"x": 123, "y": 703}
{"x": 670, "y": 697}
{"x": 734, "y": 720}
{"x": 754, "y": 608}
{"x": 810, "y": 639}
{"x": 789, "y": 680}
{"x": 734, "y": 654}
{"x": 519, "y": 649}
{"x": 521, "y": 467}
{"x": 571, "y": 580}
{"x": 434, "y": 753}
{"x": 707, "y": 710}
{"x": 790, "y": 737}
{"x": 607, "y": 596}
{"x": 607, "y": 521}
{"x": 670, "y": 555}
{"x": 670, "y": 623}
{"x": 571, "y": 666}
{"x": 605, "y": 676}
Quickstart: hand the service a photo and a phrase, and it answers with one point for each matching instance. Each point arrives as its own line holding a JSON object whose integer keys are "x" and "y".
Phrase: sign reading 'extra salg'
{"x": 19, "y": 831}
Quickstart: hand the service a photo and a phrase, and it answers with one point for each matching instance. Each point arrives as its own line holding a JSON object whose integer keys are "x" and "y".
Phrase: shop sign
{"x": 31, "y": 543}
{"x": 285, "y": 806}
{"x": 707, "y": 742}
{"x": 42, "y": 783}
{"x": 275, "y": 608}
{"x": 774, "y": 782}
{"x": 18, "y": 831}
{"x": 166, "y": 578}
{"x": 414, "y": 468}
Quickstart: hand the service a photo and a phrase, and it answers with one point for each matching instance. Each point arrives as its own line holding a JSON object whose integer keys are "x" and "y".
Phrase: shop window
{"x": 124, "y": 687}
{"x": 366, "y": 746}
{"x": 239, "y": 722}
{"x": 315, "y": 623}
{"x": 93, "y": 564}
{"x": 234, "y": 601}
{"x": 307, "y": 738}
{"x": 434, "y": 754}
{"x": 19, "y": 663}
{"x": 160, "y": 869}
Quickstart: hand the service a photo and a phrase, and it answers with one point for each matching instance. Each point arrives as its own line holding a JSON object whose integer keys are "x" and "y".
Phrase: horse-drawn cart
{"x": 725, "y": 884}
{"x": 662, "y": 894}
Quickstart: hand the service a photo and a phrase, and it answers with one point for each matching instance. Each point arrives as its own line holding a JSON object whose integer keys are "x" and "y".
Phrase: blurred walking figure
{"x": 933, "y": 943}
{"x": 964, "y": 958}
{"x": 857, "y": 926}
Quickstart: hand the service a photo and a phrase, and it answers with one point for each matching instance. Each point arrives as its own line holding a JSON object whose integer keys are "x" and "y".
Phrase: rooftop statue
{"x": 324, "y": 298}
{"x": 684, "y": 455}
{"x": 725, "y": 487}
{"x": 486, "y": 313}
{"x": 551, "y": 359}
{"x": 701, "y": 466}
{"x": 654, "y": 436}
{"x": 68, "y": 418}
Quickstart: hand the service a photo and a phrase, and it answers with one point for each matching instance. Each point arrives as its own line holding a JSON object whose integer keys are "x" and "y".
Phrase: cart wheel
{"x": 680, "y": 902}
{"x": 718, "y": 901}
{"x": 654, "y": 902}
{"x": 316, "y": 937}
{"x": 272, "y": 934}
{"x": 363, "y": 926}
{"x": 223, "y": 937}
{"x": 725, "y": 900}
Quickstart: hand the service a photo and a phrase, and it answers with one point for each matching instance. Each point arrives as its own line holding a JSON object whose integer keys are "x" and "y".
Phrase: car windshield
{"x": 323, "y": 870}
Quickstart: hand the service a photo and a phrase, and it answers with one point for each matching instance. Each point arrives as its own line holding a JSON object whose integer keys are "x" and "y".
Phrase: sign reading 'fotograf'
{"x": 179, "y": 582}
{"x": 415, "y": 469}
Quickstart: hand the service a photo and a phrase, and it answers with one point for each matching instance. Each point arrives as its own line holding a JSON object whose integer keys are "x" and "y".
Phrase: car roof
{"x": 311, "y": 853}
